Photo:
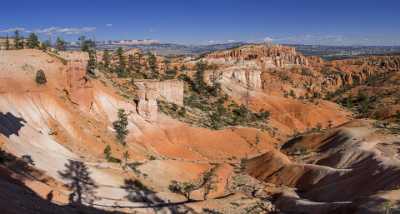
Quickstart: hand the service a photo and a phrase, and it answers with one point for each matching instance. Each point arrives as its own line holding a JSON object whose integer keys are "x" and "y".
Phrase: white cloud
{"x": 11, "y": 30}
{"x": 109, "y": 25}
{"x": 268, "y": 39}
{"x": 66, "y": 30}
{"x": 53, "y": 30}
{"x": 220, "y": 41}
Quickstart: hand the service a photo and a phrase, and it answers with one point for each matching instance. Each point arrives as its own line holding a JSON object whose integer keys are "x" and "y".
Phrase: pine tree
{"x": 91, "y": 64}
{"x": 45, "y": 45}
{"x": 60, "y": 44}
{"x": 82, "y": 41}
{"x": 17, "y": 40}
{"x": 33, "y": 41}
{"x": 7, "y": 43}
{"x": 121, "y": 126}
{"x": 86, "y": 44}
{"x": 106, "y": 59}
{"x": 131, "y": 63}
{"x": 125, "y": 156}
{"x": 121, "y": 68}
{"x": 199, "y": 76}
{"x": 137, "y": 64}
{"x": 152, "y": 61}
{"x": 22, "y": 43}
{"x": 121, "y": 58}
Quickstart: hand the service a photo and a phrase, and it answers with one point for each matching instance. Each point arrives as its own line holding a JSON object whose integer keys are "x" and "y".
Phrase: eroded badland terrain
{"x": 253, "y": 129}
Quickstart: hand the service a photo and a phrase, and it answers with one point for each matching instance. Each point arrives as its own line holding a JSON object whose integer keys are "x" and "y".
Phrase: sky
{"x": 319, "y": 22}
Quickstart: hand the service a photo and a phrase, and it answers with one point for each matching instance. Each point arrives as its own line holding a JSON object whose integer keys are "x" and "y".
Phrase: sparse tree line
{"x": 18, "y": 42}
{"x": 134, "y": 66}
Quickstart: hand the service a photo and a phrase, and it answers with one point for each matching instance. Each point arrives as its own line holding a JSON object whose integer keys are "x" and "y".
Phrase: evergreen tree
{"x": 199, "y": 76}
{"x": 17, "y": 40}
{"x": 82, "y": 40}
{"x": 137, "y": 59}
{"x": 131, "y": 63}
{"x": 125, "y": 157}
{"x": 60, "y": 44}
{"x": 121, "y": 68}
{"x": 7, "y": 43}
{"x": 152, "y": 61}
{"x": 22, "y": 43}
{"x": 45, "y": 45}
{"x": 33, "y": 41}
{"x": 182, "y": 188}
{"x": 106, "y": 59}
{"x": 91, "y": 64}
{"x": 121, "y": 126}
{"x": 86, "y": 44}
{"x": 121, "y": 58}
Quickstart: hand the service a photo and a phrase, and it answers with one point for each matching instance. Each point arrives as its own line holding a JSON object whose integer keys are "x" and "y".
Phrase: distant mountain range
{"x": 161, "y": 48}
{"x": 343, "y": 52}
{"x": 173, "y": 49}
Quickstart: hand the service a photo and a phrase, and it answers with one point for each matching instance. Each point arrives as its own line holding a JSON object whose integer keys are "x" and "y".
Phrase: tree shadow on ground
{"x": 10, "y": 124}
{"x": 20, "y": 166}
{"x": 80, "y": 183}
{"x": 16, "y": 197}
{"x": 138, "y": 192}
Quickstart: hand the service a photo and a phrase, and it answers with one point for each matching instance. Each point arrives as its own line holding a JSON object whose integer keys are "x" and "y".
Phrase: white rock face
{"x": 171, "y": 91}
{"x": 245, "y": 77}
{"x": 149, "y": 91}
{"x": 250, "y": 79}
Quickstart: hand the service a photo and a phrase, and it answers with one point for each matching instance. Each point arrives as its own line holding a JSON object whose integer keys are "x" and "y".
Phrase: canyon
{"x": 312, "y": 155}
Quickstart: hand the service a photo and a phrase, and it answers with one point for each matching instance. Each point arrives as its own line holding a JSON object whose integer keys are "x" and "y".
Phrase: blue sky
{"x": 329, "y": 22}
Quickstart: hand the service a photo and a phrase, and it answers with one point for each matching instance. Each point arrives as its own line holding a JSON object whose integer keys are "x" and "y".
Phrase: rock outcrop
{"x": 149, "y": 91}
{"x": 79, "y": 86}
{"x": 265, "y": 55}
{"x": 356, "y": 71}
{"x": 250, "y": 79}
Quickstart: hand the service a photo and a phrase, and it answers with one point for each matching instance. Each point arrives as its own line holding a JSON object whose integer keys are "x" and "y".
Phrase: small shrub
{"x": 41, "y": 77}
{"x": 108, "y": 156}
{"x": 114, "y": 160}
{"x": 107, "y": 152}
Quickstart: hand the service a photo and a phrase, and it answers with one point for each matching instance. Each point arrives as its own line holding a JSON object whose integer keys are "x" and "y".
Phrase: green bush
{"x": 41, "y": 77}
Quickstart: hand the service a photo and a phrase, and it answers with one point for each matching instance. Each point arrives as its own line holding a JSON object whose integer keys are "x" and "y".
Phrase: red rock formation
{"x": 265, "y": 55}
{"x": 79, "y": 86}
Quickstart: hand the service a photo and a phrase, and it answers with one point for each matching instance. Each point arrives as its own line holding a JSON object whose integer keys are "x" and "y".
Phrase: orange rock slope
{"x": 70, "y": 119}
